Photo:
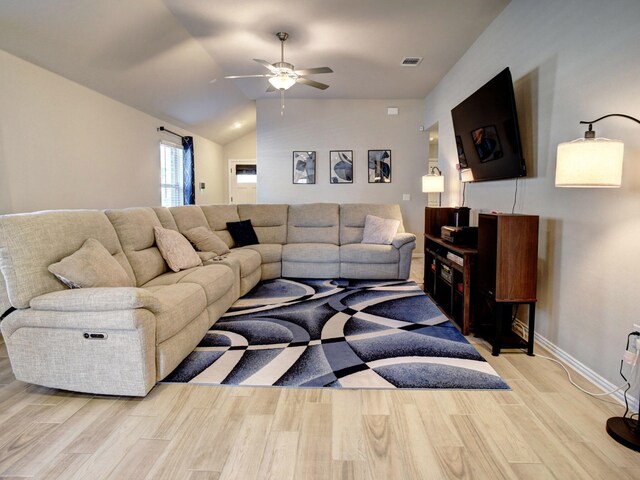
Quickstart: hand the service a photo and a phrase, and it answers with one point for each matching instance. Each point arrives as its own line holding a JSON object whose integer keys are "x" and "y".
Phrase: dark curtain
{"x": 189, "y": 171}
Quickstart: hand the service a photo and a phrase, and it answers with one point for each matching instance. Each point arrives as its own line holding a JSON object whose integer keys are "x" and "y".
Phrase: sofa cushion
{"x": 353, "y": 215}
{"x": 378, "y": 230}
{"x": 249, "y": 260}
{"x": 242, "y": 233}
{"x": 165, "y": 217}
{"x": 187, "y": 217}
{"x": 217, "y": 217}
{"x": 270, "y": 252}
{"x": 215, "y": 280}
{"x": 176, "y": 249}
{"x": 310, "y": 260}
{"x": 30, "y": 242}
{"x": 175, "y": 307}
{"x": 313, "y": 223}
{"x": 311, "y": 253}
{"x": 135, "y": 231}
{"x": 206, "y": 241}
{"x": 269, "y": 221}
{"x": 91, "y": 266}
{"x": 369, "y": 253}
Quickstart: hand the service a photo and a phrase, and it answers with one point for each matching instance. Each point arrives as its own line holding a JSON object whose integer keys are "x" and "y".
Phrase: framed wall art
{"x": 341, "y": 166}
{"x": 379, "y": 166}
{"x": 304, "y": 167}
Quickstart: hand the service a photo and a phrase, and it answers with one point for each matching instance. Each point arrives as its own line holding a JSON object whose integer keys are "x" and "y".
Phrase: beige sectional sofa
{"x": 122, "y": 340}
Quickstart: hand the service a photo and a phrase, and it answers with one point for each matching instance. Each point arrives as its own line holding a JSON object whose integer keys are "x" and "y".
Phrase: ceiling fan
{"x": 283, "y": 75}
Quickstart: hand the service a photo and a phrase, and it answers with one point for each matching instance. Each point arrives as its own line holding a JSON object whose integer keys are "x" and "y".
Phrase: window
{"x": 171, "y": 174}
{"x": 246, "y": 174}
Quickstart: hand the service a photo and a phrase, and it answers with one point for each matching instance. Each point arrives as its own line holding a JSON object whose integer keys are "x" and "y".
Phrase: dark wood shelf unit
{"x": 507, "y": 276}
{"x": 453, "y": 295}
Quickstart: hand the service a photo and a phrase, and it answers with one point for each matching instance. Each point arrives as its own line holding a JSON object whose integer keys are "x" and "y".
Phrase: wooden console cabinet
{"x": 448, "y": 278}
{"x": 507, "y": 275}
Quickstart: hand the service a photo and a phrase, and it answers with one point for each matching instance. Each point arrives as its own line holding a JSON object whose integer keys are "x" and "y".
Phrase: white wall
{"x": 65, "y": 146}
{"x": 333, "y": 124}
{"x": 572, "y": 60}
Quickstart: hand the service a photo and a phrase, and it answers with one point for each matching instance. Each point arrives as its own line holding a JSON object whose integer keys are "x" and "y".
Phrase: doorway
{"x": 243, "y": 179}
{"x": 433, "y": 199}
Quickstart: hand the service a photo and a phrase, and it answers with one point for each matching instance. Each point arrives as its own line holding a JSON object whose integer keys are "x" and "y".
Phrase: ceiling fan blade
{"x": 264, "y": 63}
{"x": 312, "y": 83}
{"x": 249, "y": 76}
{"x": 313, "y": 71}
{"x": 271, "y": 88}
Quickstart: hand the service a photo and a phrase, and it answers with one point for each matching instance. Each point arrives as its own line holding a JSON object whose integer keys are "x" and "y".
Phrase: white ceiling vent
{"x": 411, "y": 61}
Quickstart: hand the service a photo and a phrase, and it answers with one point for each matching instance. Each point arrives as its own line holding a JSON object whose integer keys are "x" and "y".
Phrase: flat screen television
{"x": 487, "y": 133}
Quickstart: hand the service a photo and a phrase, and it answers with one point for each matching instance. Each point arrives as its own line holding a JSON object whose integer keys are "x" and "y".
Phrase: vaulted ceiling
{"x": 168, "y": 58}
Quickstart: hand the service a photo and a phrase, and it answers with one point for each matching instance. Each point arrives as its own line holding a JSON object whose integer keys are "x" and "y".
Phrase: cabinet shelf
{"x": 445, "y": 291}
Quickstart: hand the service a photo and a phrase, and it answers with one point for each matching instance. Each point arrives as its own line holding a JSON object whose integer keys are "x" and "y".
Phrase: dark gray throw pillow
{"x": 242, "y": 233}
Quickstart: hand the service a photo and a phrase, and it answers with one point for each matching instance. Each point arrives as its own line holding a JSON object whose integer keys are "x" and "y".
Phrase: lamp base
{"x": 624, "y": 431}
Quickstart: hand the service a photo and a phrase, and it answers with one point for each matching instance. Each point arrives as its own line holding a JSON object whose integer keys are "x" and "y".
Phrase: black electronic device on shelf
{"x": 460, "y": 235}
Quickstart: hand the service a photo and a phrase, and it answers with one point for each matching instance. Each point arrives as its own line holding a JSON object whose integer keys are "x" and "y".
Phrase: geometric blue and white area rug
{"x": 336, "y": 334}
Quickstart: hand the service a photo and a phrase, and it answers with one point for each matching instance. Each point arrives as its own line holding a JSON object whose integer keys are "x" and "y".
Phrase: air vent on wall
{"x": 411, "y": 61}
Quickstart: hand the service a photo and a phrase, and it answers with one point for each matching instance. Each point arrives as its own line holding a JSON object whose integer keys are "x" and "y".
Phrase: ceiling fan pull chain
{"x": 282, "y": 102}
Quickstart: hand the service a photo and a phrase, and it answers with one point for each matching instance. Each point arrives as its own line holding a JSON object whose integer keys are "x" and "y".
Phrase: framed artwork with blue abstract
{"x": 341, "y": 166}
{"x": 304, "y": 167}
{"x": 379, "y": 166}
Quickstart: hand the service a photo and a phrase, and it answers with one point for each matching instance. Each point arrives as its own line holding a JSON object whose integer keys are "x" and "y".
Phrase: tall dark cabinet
{"x": 506, "y": 274}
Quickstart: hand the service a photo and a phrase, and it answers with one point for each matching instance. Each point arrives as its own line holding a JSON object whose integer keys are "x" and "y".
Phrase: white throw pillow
{"x": 91, "y": 266}
{"x": 175, "y": 249}
{"x": 379, "y": 230}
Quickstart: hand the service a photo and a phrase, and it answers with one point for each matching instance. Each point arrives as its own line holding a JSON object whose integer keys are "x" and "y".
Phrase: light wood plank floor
{"x": 542, "y": 428}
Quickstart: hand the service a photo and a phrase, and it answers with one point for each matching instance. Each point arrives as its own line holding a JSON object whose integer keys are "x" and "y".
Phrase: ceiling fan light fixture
{"x": 282, "y": 81}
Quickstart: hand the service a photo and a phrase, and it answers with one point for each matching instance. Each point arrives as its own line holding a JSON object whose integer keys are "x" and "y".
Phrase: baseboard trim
{"x": 578, "y": 366}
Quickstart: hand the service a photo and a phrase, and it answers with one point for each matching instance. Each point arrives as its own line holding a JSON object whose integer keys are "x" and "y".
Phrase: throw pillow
{"x": 91, "y": 266}
{"x": 206, "y": 241}
{"x": 175, "y": 249}
{"x": 242, "y": 233}
{"x": 379, "y": 230}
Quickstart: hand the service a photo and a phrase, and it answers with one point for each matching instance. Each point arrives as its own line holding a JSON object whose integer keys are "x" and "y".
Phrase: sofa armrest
{"x": 402, "y": 239}
{"x": 95, "y": 300}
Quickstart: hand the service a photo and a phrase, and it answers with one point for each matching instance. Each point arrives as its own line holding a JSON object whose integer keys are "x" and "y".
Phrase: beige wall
{"x": 244, "y": 148}
{"x": 65, "y": 146}
{"x": 333, "y": 124}
{"x": 572, "y": 60}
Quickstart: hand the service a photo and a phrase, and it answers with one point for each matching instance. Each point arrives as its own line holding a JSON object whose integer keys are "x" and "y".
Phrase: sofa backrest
{"x": 187, "y": 217}
{"x": 314, "y": 223}
{"x": 165, "y": 217}
{"x": 30, "y": 242}
{"x": 353, "y": 215}
{"x": 217, "y": 217}
{"x": 268, "y": 220}
{"x": 134, "y": 227}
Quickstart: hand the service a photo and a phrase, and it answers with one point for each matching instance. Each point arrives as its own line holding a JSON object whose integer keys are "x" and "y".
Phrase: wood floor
{"x": 542, "y": 428}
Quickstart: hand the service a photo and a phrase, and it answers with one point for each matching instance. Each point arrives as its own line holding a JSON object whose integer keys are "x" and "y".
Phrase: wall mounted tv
{"x": 487, "y": 133}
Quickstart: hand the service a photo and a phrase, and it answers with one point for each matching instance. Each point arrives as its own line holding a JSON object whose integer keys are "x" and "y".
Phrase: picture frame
{"x": 379, "y": 166}
{"x": 340, "y": 166}
{"x": 304, "y": 167}
{"x": 487, "y": 143}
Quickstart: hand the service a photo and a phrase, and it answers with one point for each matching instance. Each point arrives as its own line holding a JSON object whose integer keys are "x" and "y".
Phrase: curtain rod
{"x": 162, "y": 129}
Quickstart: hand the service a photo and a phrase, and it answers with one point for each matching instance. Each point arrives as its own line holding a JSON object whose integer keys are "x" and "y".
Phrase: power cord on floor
{"x": 593, "y": 394}
{"x": 625, "y": 385}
